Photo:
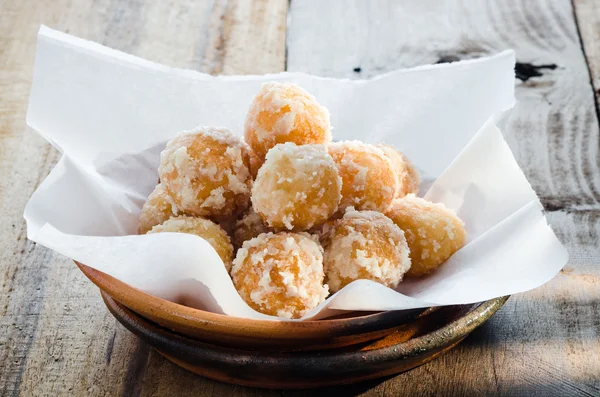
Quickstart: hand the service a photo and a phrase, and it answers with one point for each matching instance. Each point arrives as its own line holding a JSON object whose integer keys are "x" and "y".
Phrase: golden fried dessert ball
{"x": 433, "y": 232}
{"x": 206, "y": 172}
{"x": 284, "y": 112}
{"x": 249, "y": 226}
{"x": 365, "y": 245}
{"x": 408, "y": 176}
{"x": 297, "y": 187}
{"x": 209, "y": 231}
{"x": 280, "y": 274}
{"x": 159, "y": 207}
{"x": 368, "y": 179}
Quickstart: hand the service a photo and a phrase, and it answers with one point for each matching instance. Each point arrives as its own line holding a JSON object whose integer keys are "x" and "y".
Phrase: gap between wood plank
{"x": 595, "y": 90}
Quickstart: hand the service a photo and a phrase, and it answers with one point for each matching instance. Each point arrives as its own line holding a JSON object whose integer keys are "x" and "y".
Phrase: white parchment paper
{"x": 110, "y": 114}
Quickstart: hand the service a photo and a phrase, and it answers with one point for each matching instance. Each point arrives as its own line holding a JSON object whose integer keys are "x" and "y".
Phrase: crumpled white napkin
{"x": 110, "y": 114}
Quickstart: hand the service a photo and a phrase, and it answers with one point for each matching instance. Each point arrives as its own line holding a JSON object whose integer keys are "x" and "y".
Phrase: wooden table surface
{"x": 58, "y": 339}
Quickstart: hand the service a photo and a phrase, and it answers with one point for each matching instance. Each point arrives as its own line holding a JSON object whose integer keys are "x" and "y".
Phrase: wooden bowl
{"x": 429, "y": 335}
{"x": 235, "y": 332}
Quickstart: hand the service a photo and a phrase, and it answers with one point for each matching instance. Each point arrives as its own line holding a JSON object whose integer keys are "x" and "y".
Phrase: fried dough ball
{"x": 159, "y": 207}
{"x": 249, "y": 226}
{"x": 433, "y": 232}
{"x": 280, "y": 274}
{"x": 365, "y": 245}
{"x": 408, "y": 176}
{"x": 297, "y": 187}
{"x": 368, "y": 179}
{"x": 206, "y": 172}
{"x": 210, "y": 231}
{"x": 284, "y": 112}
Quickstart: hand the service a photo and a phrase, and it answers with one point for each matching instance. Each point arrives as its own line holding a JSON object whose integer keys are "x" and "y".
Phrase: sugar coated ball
{"x": 368, "y": 179}
{"x": 284, "y": 112}
{"x": 159, "y": 207}
{"x": 206, "y": 172}
{"x": 249, "y": 226}
{"x": 297, "y": 187}
{"x": 433, "y": 232}
{"x": 365, "y": 245}
{"x": 280, "y": 274}
{"x": 209, "y": 231}
{"x": 408, "y": 176}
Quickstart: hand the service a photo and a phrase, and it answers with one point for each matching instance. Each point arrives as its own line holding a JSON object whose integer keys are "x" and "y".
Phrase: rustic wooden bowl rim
{"x": 141, "y": 302}
{"x": 449, "y": 334}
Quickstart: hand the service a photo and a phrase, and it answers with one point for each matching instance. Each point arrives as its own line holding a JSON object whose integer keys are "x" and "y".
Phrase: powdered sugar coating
{"x": 433, "y": 231}
{"x": 369, "y": 181}
{"x": 408, "y": 176}
{"x": 280, "y": 274}
{"x": 284, "y": 112}
{"x": 249, "y": 226}
{"x": 211, "y": 232}
{"x": 206, "y": 172}
{"x": 365, "y": 245}
{"x": 297, "y": 187}
{"x": 158, "y": 208}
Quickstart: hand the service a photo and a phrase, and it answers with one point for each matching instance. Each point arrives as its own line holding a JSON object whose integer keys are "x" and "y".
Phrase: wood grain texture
{"x": 587, "y": 14}
{"x": 56, "y": 337}
{"x": 553, "y": 131}
{"x": 545, "y": 342}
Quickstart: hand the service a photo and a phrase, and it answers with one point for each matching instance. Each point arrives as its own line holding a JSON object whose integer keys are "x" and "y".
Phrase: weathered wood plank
{"x": 56, "y": 337}
{"x": 587, "y": 13}
{"x": 553, "y": 131}
{"x": 545, "y": 342}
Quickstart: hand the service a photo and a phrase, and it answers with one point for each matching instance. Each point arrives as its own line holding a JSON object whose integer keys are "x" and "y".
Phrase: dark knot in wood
{"x": 525, "y": 71}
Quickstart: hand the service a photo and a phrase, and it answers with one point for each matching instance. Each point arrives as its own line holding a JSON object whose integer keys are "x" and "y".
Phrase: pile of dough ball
{"x": 293, "y": 215}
